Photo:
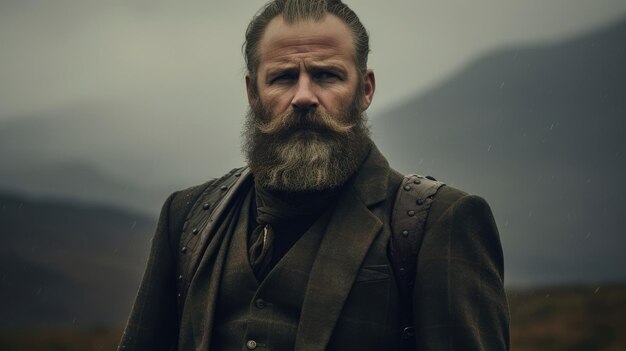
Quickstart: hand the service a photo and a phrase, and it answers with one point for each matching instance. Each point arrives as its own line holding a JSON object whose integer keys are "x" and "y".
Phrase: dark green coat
{"x": 351, "y": 302}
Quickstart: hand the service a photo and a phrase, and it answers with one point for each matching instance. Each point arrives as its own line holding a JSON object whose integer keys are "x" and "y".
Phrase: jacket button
{"x": 260, "y": 303}
{"x": 251, "y": 344}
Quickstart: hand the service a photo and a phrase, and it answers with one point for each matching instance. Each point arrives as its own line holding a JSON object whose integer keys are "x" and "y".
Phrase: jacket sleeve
{"x": 459, "y": 297}
{"x": 153, "y": 322}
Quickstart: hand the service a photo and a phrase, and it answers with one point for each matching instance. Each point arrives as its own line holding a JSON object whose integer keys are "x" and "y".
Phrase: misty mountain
{"x": 64, "y": 263}
{"x": 539, "y": 131}
{"x": 84, "y": 153}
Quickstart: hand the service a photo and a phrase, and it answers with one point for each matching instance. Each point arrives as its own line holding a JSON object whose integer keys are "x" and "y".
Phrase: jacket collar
{"x": 371, "y": 180}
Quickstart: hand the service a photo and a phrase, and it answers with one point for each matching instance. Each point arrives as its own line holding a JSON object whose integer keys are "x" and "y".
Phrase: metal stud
{"x": 407, "y": 187}
{"x": 206, "y": 205}
{"x": 184, "y": 249}
{"x": 431, "y": 178}
{"x": 411, "y": 213}
{"x": 419, "y": 202}
{"x": 180, "y": 277}
{"x": 194, "y": 231}
{"x": 417, "y": 181}
{"x": 237, "y": 174}
{"x": 223, "y": 187}
{"x": 405, "y": 233}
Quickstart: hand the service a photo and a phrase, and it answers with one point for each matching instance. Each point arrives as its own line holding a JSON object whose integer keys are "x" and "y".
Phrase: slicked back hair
{"x": 299, "y": 10}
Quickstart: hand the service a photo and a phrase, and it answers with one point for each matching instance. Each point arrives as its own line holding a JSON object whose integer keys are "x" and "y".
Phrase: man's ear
{"x": 251, "y": 90}
{"x": 369, "y": 86}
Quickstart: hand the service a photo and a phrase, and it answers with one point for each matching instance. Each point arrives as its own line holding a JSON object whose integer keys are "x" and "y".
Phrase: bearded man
{"x": 303, "y": 248}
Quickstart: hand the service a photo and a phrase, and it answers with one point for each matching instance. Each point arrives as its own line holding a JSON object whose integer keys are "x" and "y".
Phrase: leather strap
{"x": 200, "y": 224}
{"x": 408, "y": 224}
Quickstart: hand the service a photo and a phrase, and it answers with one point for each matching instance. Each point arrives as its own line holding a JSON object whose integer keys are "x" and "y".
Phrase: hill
{"x": 64, "y": 263}
{"x": 539, "y": 131}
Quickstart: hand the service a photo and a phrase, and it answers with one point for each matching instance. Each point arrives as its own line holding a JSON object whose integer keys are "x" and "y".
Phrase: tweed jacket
{"x": 351, "y": 300}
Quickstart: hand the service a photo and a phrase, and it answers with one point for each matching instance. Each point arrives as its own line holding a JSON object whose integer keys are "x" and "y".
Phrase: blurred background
{"x": 107, "y": 107}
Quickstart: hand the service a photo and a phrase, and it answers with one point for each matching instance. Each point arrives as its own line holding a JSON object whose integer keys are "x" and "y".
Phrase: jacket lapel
{"x": 349, "y": 235}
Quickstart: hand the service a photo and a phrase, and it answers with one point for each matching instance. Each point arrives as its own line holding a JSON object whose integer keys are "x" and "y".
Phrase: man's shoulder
{"x": 451, "y": 201}
{"x": 183, "y": 200}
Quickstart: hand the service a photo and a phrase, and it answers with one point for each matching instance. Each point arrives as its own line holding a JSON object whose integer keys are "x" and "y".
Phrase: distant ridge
{"x": 539, "y": 131}
{"x": 64, "y": 263}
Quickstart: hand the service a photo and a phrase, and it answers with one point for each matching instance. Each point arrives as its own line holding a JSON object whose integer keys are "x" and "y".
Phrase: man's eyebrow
{"x": 335, "y": 68}
{"x": 279, "y": 68}
{"x": 314, "y": 67}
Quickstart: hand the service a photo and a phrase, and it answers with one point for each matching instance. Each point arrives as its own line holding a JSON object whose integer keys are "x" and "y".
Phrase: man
{"x": 296, "y": 250}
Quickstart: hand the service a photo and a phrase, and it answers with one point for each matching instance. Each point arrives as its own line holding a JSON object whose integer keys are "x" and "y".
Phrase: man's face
{"x": 306, "y": 129}
{"x": 308, "y": 65}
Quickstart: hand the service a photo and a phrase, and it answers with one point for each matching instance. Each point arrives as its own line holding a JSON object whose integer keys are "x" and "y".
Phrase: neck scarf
{"x": 282, "y": 217}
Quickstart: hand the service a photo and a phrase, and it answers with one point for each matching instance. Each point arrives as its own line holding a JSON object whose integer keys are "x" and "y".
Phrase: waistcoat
{"x": 252, "y": 315}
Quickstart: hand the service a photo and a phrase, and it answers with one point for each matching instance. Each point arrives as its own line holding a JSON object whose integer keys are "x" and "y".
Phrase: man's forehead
{"x": 321, "y": 40}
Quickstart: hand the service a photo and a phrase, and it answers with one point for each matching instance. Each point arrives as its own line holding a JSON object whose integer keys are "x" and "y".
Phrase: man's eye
{"x": 326, "y": 76}
{"x": 283, "y": 78}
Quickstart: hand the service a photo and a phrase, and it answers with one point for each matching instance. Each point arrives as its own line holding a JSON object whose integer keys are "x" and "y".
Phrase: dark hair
{"x": 297, "y": 10}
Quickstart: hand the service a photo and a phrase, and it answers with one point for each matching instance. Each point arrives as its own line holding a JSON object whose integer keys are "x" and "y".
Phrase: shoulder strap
{"x": 199, "y": 225}
{"x": 408, "y": 224}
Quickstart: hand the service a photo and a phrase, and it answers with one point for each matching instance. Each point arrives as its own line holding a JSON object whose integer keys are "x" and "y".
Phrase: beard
{"x": 305, "y": 150}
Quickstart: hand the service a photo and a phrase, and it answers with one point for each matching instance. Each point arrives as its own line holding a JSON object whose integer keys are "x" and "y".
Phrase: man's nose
{"x": 305, "y": 96}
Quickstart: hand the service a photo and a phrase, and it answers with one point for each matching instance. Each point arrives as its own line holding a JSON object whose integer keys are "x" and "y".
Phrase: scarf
{"x": 282, "y": 218}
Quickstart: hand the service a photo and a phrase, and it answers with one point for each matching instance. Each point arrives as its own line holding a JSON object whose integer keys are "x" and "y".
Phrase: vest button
{"x": 251, "y": 344}
{"x": 259, "y": 303}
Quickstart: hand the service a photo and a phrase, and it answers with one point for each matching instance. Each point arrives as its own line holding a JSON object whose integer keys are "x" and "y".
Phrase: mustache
{"x": 309, "y": 119}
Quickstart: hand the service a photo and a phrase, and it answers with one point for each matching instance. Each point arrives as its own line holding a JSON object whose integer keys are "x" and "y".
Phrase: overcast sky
{"x": 64, "y": 52}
